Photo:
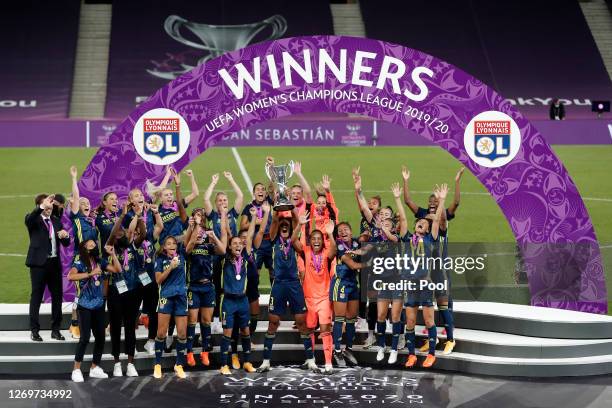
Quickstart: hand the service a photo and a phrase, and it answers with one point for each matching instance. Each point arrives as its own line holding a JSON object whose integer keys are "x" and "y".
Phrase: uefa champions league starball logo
{"x": 161, "y": 136}
{"x": 492, "y": 139}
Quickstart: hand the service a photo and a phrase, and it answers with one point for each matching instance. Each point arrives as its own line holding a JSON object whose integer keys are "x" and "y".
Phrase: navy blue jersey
{"x": 234, "y": 276}
{"x": 214, "y": 222}
{"x": 418, "y": 247}
{"x": 247, "y": 213}
{"x": 90, "y": 290}
{"x": 176, "y": 282}
{"x": 84, "y": 229}
{"x": 423, "y": 212}
{"x": 173, "y": 226}
{"x": 105, "y": 222}
{"x": 285, "y": 260}
{"x": 201, "y": 262}
{"x": 343, "y": 272}
{"x": 132, "y": 262}
{"x": 149, "y": 219}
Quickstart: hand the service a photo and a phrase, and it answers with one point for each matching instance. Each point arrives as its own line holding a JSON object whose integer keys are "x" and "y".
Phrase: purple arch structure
{"x": 534, "y": 191}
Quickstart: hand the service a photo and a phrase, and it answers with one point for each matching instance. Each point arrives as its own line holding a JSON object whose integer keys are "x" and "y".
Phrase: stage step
{"x": 18, "y": 343}
{"x": 285, "y": 354}
{"x": 507, "y": 318}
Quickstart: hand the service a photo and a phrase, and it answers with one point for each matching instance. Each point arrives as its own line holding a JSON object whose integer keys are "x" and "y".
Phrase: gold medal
{"x": 148, "y": 260}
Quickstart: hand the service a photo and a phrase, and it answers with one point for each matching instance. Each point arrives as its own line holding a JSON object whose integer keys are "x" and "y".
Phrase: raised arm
{"x": 274, "y": 226}
{"x": 295, "y": 236}
{"x": 195, "y": 191}
{"x": 407, "y": 198}
{"x": 238, "y": 203}
{"x": 363, "y": 204}
{"x": 32, "y": 217}
{"x": 397, "y": 192}
{"x": 453, "y": 207}
{"x": 179, "y": 197}
{"x": 192, "y": 238}
{"x": 329, "y": 229}
{"x": 114, "y": 266}
{"x": 112, "y": 238}
{"x": 159, "y": 224}
{"x": 221, "y": 243}
{"x": 74, "y": 204}
{"x": 441, "y": 196}
{"x": 142, "y": 232}
{"x": 251, "y": 230}
{"x": 262, "y": 226}
{"x": 208, "y": 207}
{"x": 297, "y": 168}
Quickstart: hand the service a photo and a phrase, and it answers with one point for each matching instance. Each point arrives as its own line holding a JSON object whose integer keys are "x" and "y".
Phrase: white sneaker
{"x": 77, "y": 375}
{"x": 216, "y": 327}
{"x": 370, "y": 341}
{"x": 131, "y": 370}
{"x": 311, "y": 365}
{"x": 149, "y": 347}
{"x": 393, "y": 357}
{"x": 401, "y": 344}
{"x": 97, "y": 372}
{"x": 264, "y": 367}
{"x": 117, "y": 370}
{"x": 362, "y": 324}
{"x": 329, "y": 369}
{"x": 380, "y": 355}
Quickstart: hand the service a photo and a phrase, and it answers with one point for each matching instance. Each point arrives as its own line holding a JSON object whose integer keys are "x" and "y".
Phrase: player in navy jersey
{"x": 83, "y": 229}
{"x": 170, "y": 274}
{"x": 202, "y": 246}
{"x": 106, "y": 214}
{"x": 214, "y": 220}
{"x": 393, "y": 298}
{"x": 286, "y": 289}
{"x": 263, "y": 254}
{"x": 443, "y": 298}
{"x": 421, "y": 243}
{"x": 88, "y": 273}
{"x": 125, "y": 288}
{"x": 154, "y": 225}
{"x": 172, "y": 211}
{"x": 234, "y": 302}
{"x": 344, "y": 293}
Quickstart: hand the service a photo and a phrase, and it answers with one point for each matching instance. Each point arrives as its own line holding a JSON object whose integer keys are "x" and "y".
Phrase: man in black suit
{"x": 46, "y": 232}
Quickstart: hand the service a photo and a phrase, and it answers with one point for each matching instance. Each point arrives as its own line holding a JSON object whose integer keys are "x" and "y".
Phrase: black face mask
{"x": 57, "y": 211}
{"x": 93, "y": 253}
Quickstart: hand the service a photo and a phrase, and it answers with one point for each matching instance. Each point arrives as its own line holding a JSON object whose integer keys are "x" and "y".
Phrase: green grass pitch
{"x": 28, "y": 171}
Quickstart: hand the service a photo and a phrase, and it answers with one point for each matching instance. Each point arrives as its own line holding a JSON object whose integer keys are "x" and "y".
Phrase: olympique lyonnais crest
{"x": 161, "y": 136}
{"x": 492, "y": 138}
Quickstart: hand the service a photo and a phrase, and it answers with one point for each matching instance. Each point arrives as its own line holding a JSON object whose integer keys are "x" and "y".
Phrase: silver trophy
{"x": 217, "y": 39}
{"x": 279, "y": 176}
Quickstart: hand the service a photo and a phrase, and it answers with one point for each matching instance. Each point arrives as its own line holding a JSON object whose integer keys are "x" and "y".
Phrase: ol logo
{"x": 161, "y": 136}
{"x": 492, "y": 139}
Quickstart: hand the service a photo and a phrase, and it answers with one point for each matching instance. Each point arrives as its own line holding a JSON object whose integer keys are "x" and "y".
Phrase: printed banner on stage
{"x": 154, "y": 43}
{"x": 38, "y": 52}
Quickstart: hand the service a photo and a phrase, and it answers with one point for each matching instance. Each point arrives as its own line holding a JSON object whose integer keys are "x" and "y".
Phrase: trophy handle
{"x": 279, "y": 26}
{"x": 267, "y": 169}
{"x": 290, "y": 167}
{"x": 173, "y": 25}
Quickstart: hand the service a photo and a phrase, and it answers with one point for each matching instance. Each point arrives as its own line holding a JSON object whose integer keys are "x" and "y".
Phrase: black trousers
{"x": 150, "y": 298}
{"x": 91, "y": 320}
{"x": 49, "y": 275}
{"x": 123, "y": 310}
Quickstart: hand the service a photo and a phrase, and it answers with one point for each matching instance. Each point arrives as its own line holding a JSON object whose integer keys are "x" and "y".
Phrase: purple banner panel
{"x": 317, "y": 130}
{"x": 38, "y": 50}
{"x": 153, "y": 43}
{"x": 532, "y": 187}
{"x": 342, "y": 132}
{"x": 548, "y": 55}
{"x": 50, "y": 133}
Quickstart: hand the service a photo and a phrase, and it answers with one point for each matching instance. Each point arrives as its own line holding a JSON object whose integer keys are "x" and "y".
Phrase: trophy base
{"x": 283, "y": 207}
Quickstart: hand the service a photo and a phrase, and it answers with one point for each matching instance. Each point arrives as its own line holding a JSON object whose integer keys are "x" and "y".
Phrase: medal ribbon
{"x": 238, "y": 264}
{"x": 93, "y": 266}
{"x": 174, "y": 206}
{"x": 126, "y": 259}
{"x": 317, "y": 262}
{"x": 286, "y": 245}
